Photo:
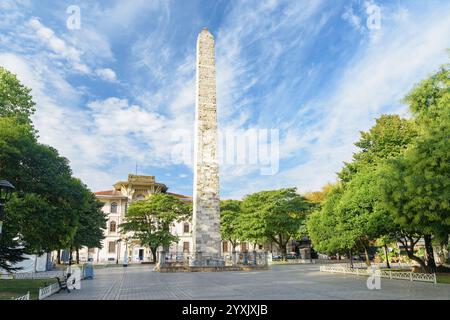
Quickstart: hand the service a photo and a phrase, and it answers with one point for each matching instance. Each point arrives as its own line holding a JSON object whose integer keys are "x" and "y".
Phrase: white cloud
{"x": 106, "y": 74}
{"x": 105, "y": 140}
{"x": 59, "y": 46}
{"x": 373, "y": 83}
{"x": 352, "y": 18}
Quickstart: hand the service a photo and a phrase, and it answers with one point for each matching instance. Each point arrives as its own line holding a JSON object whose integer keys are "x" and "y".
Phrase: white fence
{"x": 38, "y": 275}
{"x": 53, "y": 288}
{"x": 425, "y": 277}
{"x": 25, "y": 297}
{"x": 48, "y": 291}
{"x": 379, "y": 265}
{"x": 307, "y": 261}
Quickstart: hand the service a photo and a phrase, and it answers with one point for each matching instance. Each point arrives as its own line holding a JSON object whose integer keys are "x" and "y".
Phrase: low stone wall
{"x": 184, "y": 268}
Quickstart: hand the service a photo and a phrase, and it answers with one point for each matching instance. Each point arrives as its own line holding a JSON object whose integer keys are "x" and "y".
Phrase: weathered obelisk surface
{"x": 206, "y": 211}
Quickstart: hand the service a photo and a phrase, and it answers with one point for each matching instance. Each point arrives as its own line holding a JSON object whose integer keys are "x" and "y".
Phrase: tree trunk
{"x": 366, "y": 254}
{"x": 233, "y": 253}
{"x": 282, "y": 248}
{"x": 387, "y": 256}
{"x": 419, "y": 261}
{"x": 78, "y": 256}
{"x": 410, "y": 253}
{"x": 153, "y": 254}
{"x": 429, "y": 255}
{"x": 70, "y": 256}
{"x": 351, "y": 258}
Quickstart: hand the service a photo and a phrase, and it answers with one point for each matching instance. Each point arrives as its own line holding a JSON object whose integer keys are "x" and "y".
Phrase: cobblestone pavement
{"x": 278, "y": 283}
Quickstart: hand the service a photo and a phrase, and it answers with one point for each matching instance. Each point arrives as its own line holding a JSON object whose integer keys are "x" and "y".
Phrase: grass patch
{"x": 14, "y": 288}
{"x": 443, "y": 278}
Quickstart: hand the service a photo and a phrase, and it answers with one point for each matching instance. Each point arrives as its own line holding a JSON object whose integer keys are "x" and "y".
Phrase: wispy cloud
{"x": 112, "y": 93}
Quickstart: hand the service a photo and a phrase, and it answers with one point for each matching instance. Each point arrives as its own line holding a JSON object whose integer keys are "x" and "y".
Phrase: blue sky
{"x": 113, "y": 92}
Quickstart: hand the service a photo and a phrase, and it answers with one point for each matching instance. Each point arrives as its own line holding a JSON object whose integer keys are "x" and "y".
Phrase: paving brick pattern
{"x": 278, "y": 283}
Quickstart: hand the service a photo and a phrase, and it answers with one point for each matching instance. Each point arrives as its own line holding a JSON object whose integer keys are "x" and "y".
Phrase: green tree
{"x": 42, "y": 204}
{"x": 91, "y": 221}
{"x": 321, "y": 224}
{"x": 389, "y": 137}
{"x": 150, "y": 220}
{"x": 417, "y": 187}
{"x": 276, "y": 215}
{"x": 15, "y": 99}
{"x": 50, "y": 210}
{"x": 430, "y": 97}
{"x": 416, "y": 184}
{"x": 354, "y": 205}
{"x": 230, "y": 225}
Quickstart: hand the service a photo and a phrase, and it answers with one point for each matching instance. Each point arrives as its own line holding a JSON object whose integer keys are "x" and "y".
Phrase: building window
{"x": 260, "y": 247}
{"x": 112, "y": 226}
{"x": 91, "y": 250}
{"x": 113, "y": 207}
{"x": 186, "y": 246}
{"x": 112, "y": 247}
{"x": 244, "y": 247}
{"x": 186, "y": 228}
{"x": 225, "y": 246}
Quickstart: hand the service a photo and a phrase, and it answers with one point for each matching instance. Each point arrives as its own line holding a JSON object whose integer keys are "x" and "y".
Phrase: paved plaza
{"x": 280, "y": 282}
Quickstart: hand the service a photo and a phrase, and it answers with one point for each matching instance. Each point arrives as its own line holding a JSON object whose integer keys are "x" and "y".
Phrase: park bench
{"x": 62, "y": 282}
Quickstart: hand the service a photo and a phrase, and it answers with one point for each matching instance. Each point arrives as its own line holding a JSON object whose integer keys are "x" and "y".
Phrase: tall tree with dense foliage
{"x": 15, "y": 99}
{"x": 354, "y": 205}
{"x": 44, "y": 213}
{"x": 276, "y": 215}
{"x": 41, "y": 205}
{"x": 91, "y": 220}
{"x": 389, "y": 137}
{"x": 150, "y": 219}
{"x": 230, "y": 221}
{"x": 416, "y": 185}
{"x": 321, "y": 224}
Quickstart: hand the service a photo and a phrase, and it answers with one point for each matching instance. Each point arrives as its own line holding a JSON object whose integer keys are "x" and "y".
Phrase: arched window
{"x": 112, "y": 226}
{"x": 186, "y": 227}
{"x": 140, "y": 197}
{"x": 113, "y": 207}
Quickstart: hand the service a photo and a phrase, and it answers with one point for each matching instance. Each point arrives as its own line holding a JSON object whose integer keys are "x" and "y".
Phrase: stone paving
{"x": 282, "y": 282}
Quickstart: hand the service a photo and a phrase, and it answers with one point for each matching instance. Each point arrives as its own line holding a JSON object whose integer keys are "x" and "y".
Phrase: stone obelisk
{"x": 206, "y": 211}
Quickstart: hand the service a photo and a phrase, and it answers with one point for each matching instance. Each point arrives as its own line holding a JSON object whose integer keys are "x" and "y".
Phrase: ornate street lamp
{"x": 125, "y": 259}
{"x": 6, "y": 190}
{"x": 118, "y": 241}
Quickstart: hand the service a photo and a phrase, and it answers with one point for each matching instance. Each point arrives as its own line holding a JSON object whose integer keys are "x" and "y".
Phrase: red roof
{"x": 181, "y": 196}
{"x": 119, "y": 194}
{"x": 108, "y": 193}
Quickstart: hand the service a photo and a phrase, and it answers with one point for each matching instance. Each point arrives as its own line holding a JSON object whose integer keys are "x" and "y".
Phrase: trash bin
{"x": 88, "y": 271}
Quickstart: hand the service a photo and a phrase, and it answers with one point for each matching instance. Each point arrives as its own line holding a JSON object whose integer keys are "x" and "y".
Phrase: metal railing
{"x": 25, "y": 297}
{"x": 411, "y": 276}
{"x": 39, "y": 275}
{"x": 48, "y": 291}
{"x": 373, "y": 264}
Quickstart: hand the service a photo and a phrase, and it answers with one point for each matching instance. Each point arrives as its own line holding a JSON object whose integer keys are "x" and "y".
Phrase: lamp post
{"x": 6, "y": 190}
{"x": 125, "y": 258}
{"x": 118, "y": 250}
